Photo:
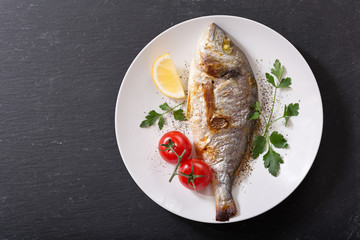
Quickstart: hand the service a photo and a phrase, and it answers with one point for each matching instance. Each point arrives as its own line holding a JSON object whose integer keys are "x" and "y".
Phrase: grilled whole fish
{"x": 222, "y": 89}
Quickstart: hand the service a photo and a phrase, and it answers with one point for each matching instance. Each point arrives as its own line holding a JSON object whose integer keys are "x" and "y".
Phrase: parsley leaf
{"x": 165, "y": 107}
{"x": 278, "y": 70}
{"x": 150, "y": 119}
{"x": 290, "y": 110}
{"x": 256, "y": 106}
{"x": 272, "y": 161}
{"x": 257, "y": 112}
{"x": 255, "y": 116}
{"x": 285, "y": 83}
{"x": 153, "y": 116}
{"x": 278, "y": 140}
{"x": 270, "y": 79}
{"x": 161, "y": 122}
{"x": 179, "y": 115}
{"x": 259, "y": 146}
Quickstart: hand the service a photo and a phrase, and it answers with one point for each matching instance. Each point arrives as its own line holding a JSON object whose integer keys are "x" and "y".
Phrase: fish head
{"x": 218, "y": 55}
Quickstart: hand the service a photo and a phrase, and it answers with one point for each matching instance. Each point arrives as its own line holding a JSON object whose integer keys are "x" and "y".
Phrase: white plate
{"x": 260, "y": 191}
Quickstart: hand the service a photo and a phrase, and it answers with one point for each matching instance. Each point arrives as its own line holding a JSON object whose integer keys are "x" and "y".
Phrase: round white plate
{"x": 260, "y": 191}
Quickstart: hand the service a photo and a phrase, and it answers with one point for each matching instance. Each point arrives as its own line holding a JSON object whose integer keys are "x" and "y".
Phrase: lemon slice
{"x": 166, "y": 78}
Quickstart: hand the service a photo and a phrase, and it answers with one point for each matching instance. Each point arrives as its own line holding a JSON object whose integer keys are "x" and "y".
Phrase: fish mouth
{"x": 217, "y": 53}
{"x": 215, "y": 33}
{"x": 212, "y": 31}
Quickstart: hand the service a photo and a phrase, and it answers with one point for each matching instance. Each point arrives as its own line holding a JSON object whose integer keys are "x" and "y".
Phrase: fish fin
{"x": 225, "y": 210}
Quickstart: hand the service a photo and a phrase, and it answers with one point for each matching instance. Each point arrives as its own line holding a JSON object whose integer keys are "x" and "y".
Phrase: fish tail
{"x": 225, "y": 209}
{"x": 224, "y": 202}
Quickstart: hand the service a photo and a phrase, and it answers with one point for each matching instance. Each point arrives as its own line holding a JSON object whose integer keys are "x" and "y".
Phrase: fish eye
{"x": 226, "y": 46}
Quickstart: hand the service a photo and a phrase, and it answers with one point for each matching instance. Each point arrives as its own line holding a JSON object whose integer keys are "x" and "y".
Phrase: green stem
{"x": 172, "y": 109}
{"x": 183, "y": 174}
{"x": 276, "y": 120}
{"x": 177, "y": 164}
{"x": 271, "y": 113}
{"x": 192, "y": 178}
{"x": 263, "y": 117}
{"x": 268, "y": 140}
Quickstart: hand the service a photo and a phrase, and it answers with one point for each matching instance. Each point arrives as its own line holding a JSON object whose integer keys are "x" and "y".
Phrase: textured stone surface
{"x": 61, "y": 174}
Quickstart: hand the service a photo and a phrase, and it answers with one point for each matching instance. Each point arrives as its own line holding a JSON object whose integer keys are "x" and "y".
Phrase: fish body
{"x": 222, "y": 88}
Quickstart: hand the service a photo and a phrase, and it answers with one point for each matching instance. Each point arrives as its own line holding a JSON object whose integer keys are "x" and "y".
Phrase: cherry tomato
{"x": 201, "y": 175}
{"x": 181, "y": 143}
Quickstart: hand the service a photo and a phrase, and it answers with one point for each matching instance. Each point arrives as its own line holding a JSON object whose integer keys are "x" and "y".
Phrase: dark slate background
{"x": 61, "y": 66}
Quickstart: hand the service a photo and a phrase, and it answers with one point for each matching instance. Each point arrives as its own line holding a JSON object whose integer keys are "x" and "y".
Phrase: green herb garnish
{"x": 153, "y": 116}
{"x": 272, "y": 159}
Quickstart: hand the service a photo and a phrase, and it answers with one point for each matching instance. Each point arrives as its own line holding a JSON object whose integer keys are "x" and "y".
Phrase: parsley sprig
{"x": 272, "y": 159}
{"x": 153, "y": 116}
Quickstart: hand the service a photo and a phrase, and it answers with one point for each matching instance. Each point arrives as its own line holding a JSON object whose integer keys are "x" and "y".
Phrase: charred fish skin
{"x": 222, "y": 88}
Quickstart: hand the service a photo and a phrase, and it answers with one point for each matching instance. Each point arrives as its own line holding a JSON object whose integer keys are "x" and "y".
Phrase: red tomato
{"x": 181, "y": 143}
{"x": 199, "y": 168}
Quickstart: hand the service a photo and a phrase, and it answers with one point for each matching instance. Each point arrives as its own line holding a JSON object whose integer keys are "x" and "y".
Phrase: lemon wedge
{"x": 166, "y": 78}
